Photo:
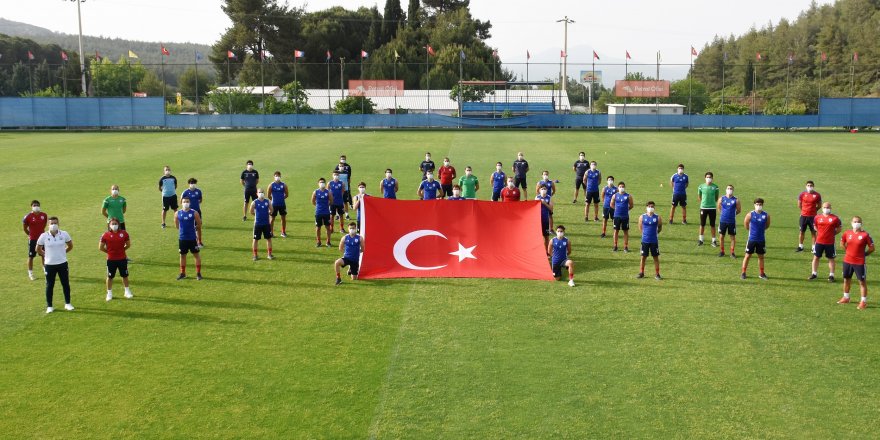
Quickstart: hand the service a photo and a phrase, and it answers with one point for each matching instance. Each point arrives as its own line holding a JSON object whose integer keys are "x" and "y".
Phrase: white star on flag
{"x": 464, "y": 252}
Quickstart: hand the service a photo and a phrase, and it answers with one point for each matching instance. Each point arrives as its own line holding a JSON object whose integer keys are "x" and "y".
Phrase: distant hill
{"x": 149, "y": 53}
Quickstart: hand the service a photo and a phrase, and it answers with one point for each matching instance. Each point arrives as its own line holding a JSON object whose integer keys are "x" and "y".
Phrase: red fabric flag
{"x": 97, "y": 56}
{"x": 528, "y": 56}
{"x": 562, "y": 54}
{"x": 855, "y": 56}
{"x": 627, "y": 55}
{"x": 495, "y": 54}
{"x": 758, "y": 56}
{"x": 63, "y": 55}
{"x": 230, "y": 55}
{"x": 165, "y": 51}
{"x": 364, "y": 54}
{"x": 452, "y": 239}
{"x": 824, "y": 56}
{"x": 299, "y": 54}
{"x": 30, "y": 55}
{"x": 693, "y": 51}
{"x": 328, "y": 56}
{"x": 430, "y": 50}
{"x": 595, "y": 55}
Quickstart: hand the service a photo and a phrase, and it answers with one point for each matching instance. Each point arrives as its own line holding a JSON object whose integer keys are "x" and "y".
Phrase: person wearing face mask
{"x": 358, "y": 202}
{"x": 114, "y": 243}
{"x": 622, "y": 203}
{"x": 189, "y": 225}
{"x": 559, "y": 249}
{"x": 344, "y": 170}
{"x": 591, "y": 182}
{"x": 546, "y": 214}
{"x": 426, "y": 166}
{"x": 195, "y": 196}
{"x": 53, "y": 246}
{"x": 809, "y": 202}
{"x": 430, "y": 189}
{"x": 168, "y": 188}
{"x": 730, "y": 207}
{"x": 250, "y": 179}
{"x": 498, "y": 180}
{"x": 520, "y": 168}
{"x": 756, "y": 222}
{"x": 337, "y": 208}
{"x": 277, "y": 193}
{"x": 469, "y": 184}
{"x": 607, "y": 208}
{"x": 650, "y": 225}
{"x": 858, "y": 245}
{"x": 679, "y": 182}
{"x": 707, "y": 195}
{"x": 389, "y": 186}
{"x": 114, "y": 206}
{"x": 546, "y": 183}
{"x": 351, "y": 246}
{"x": 580, "y": 168}
{"x": 321, "y": 200}
{"x": 511, "y": 193}
{"x": 456, "y": 193}
{"x": 447, "y": 175}
{"x": 261, "y": 209}
{"x": 34, "y": 224}
{"x": 828, "y": 226}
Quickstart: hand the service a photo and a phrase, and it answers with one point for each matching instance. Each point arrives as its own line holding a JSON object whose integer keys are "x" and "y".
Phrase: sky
{"x": 642, "y": 27}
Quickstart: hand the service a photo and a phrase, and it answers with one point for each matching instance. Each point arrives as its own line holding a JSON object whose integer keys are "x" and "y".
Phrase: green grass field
{"x": 271, "y": 349}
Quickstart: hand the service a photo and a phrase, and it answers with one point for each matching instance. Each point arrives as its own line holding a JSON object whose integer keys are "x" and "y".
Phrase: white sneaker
{"x": 129, "y": 295}
{"x": 571, "y": 283}
{"x": 50, "y": 309}
{"x": 109, "y": 296}
{"x": 68, "y": 307}
{"x": 32, "y": 277}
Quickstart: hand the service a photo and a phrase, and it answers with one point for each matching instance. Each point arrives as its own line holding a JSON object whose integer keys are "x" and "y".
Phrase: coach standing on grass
{"x": 53, "y": 246}
{"x": 250, "y": 178}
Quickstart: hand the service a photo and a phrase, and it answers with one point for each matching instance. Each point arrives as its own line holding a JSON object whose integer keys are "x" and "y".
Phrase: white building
{"x": 615, "y": 110}
{"x": 435, "y": 101}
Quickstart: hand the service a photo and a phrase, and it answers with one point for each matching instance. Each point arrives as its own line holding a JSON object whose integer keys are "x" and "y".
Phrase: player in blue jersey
{"x": 622, "y": 203}
{"x": 389, "y": 186}
{"x": 729, "y": 207}
{"x": 261, "y": 209}
{"x": 189, "y": 225}
{"x": 650, "y": 225}
{"x": 559, "y": 250}
{"x": 679, "y": 182}
{"x": 608, "y": 193}
{"x": 456, "y": 193}
{"x": 277, "y": 193}
{"x": 337, "y": 208}
{"x": 344, "y": 170}
{"x": 498, "y": 179}
{"x": 321, "y": 200}
{"x": 591, "y": 185}
{"x": 168, "y": 188}
{"x": 351, "y": 247}
{"x": 430, "y": 189}
{"x": 756, "y": 222}
{"x": 358, "y": 202}
{"x": 546, "y": 182}
{"x": 546, "y": 213}
{"x": 580, "y": 168}
{"x": 196, "y": 198}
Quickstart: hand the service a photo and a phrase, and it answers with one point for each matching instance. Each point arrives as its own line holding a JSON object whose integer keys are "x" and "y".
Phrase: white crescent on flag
{"x": 402, "y": 244}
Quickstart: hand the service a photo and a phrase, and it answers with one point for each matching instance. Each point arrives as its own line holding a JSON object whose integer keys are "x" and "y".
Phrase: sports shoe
{"x": 742, "y": 276}
{"x": 574, "y": 201}
{"x": 68, "y": 307}
{"x": 812, "y": 277}
{"x": 318, "y": 244}
{"x": 684, "y": 222}
{"x": 270, "y": 257}
{"x": 129, "y": 295}
{"x": 862, "y": 305}
{"x": 763, "y": 276}
{"x": 640, "y": 275}
{"x": 338, "y": 281}
{"x": 799, "y": 249}
{"x": 201, "y": 245}
{"x": 329, "y": 245}
{"x": 602, "y": 236}
{"x": 614, "y": 249}
{"x": 163, "y": 225}
{"x": 586, "y": 219}
{"x": 244, "y": 218}
{"x": 570, "y": 283}
{"x": 31, "y": 277}
{"x": 181, "y": 276}
{"x": 347, "y": 216}
{"x": 595, "y": 219}
{"x": 658, "y": 277}
{"x": 699, "y": 242}
{"x": 626, "y": 250}
{"x": 671, "y": 222}
{"x": 714, "y": 243}
{"x": 109, "y": 297}
{"x": 256, "y": 258}
{"x": 283, "y": 235}
{"x": 843, "y": 300}
{"x": 732, "y": 255}
{"x": 336, "y": 217}
{"x": 50, "y": 309}
{"x": 721, "y": 254}
{"x": 198, "y": 276}
{"x": 830, "y": 278}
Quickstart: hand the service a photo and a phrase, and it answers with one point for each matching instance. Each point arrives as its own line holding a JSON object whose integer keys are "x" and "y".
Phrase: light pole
{"x": 82, "y": 57}
{"x": 564, "y": 79}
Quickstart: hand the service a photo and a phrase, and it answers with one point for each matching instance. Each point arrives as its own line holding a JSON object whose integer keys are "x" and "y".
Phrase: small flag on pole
{"x": 431, "y": 50}
{"x": 63, "y": 55}
{"x": 659, "y": 59}
{"x": 758, "y": 56}
{"x": 199, "y": 56}
{"x": 396, "y": 55}
{"x": 461, "y": 55}
{"x": 30, "y": 56}
{"x": 824, "y": 56}
{"x": 328, "y": 56}
{"x": 693, "y": 51}
{"x": 595, "y": 55}
{"x": 132, "y": 54}
{"x": 298, "y": 54}
{"x": 364, "y": 54}
{"x": 790, "y": 58}
{"x": 97, "y": 56}
{"x": 627, "y": 55}
{"x": 528, "y": 55}
{"x": 561, "y": 54}
{"x": 230, "y": 55}
{"x": 165, "y": 51}
{"x": 855, "y": 56}
{"x": 495, "y": 53}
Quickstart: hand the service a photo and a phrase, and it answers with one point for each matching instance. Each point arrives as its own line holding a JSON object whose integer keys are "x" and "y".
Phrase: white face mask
{"x": 456, "y": 193}
{"x": 388, "y": 175}
{"x": 708, "y": 180}
{"x": 277, "y": 178}
{"x": 336, "y": 178}
{"x": 35, "y": 208}
{"x": 856, "y": 226}
{"x": 544, "y": 193}
{"x": 185, "y": 206}
{"x": 593, "y": 166}
{"x": 192, "y": 186}
{"x": 427, "y": 157}
{"x": 114, "y": 192}
{"x": 510, "y": 184}
{"x": 621, "y": 189}
{"x": 729, "y": 192}
{"x": 341, "y": 160}
{"x": 53, "y": 227}
{"x": 759, "y": 208}
{"x": 498, "y": 167}
{"x": 250, "y": 167}
{"x": 650, "y": 210}
{"x": 610, "y": 183}
{"x": 681, "y": 171}
{"x": 545, "y": 177}
{"x": 559, "y": 235}
{"x": 114, "y": 227}
{"x": 581, "y": 157}
{"x": 430, "y": 176}
{"x": 446, "y": 162}
{"x": 352, "y": 231}
{"x": 826, "y": 211}
{"x": 361, "y": 189}
{"x": 260, "y": 195}
{"x": 809, "y": 189}
{"x": 519, "y": 157}
{"x": 167, "y": 172}
{"x": 321, "y": 184}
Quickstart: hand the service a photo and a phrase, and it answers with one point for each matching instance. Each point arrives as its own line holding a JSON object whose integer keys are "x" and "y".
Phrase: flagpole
{"x": 164, "y": 111}
{"x": 852, "y": 86}
{"x": 528, "y": 86}
{"x": 394, "y": 68}
{"x": 460, "y": 74}
{"x": 754, "y": 87}
{"x": 296, "y": 81}
{"x": 328, "y": 85}
{"x": 428, "y": 76}
{"x": 788, "y": 80}
{"x": 263, "y": 78}
{"x": 228, "y": 81}
{"x": 130, "y": 94}
{"x": 723, "y": 66}
{"x": 625, "y": 77}
{"x": 592, "y": 82}
{"x": 196, "y": 57}
{"x": 362, "y": 81}
{"x": 691, "y": 83}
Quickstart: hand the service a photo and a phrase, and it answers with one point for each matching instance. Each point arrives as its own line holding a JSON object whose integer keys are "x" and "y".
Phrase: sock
{"x": 30, "y": 272}
{"x": 814, "y": 274}
{"x": 127, "y": 290}
{"x": 182, "y": 269}
{"x": 254, "y": 250}
{"x": 571, "y": 276}
{"x": 830, "y": 274}
{"x": 864, "y": 299}
{"x": 731, "y": 250}
{"x": 701, "y": 237}
{"x": 337, "y": 274}
{"x": 846, "y": 294}
{"x": 109, "y": 292}
{"x": 800, "y": 246}
{"x": 269, "y": 250}
{"x": 199, "y": 268}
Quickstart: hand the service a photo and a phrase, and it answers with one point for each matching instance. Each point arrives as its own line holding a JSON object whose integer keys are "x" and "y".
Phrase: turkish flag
{"x": 452, "y": 239}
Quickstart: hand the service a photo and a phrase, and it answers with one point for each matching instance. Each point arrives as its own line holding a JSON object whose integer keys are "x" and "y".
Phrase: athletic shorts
{"x": 353, "y": 265}
{"x": 337, "y": 210}
{"x": 621, "y": 223}
{"x": 860, "y": 270}
{"x": 250, "y": 194}
{"x": 262, "y": 231}
{"x": 32, "y": 248}
{"x": 322, "y": 220}
{"x": 120, "y": 265}
{"x": 807, "y": 222}
{"x": 346, "y": 198}
{"x": 520, "y": 182}
{"x": 708, "y": 214}
{"x": 756, "y": 247}
{"x": 727, "y": 229}
{"x": 496, "y": 195}
{"x": 447, "y": 190}
{"x": 279, "y": 210}
{"x": 557, "y": 269}
{"x": 579, "y": 183}
{"x": 187, "y": 246}
{"x": 827, "y": 249}
{"x": 680, "y": 200}
{"x": 593, "y": 197}
{"x": 545, "y": 226}
{"x": 169, "y": 202}
{"x": 652, "y": 248}
{"x": 607, "y": 213}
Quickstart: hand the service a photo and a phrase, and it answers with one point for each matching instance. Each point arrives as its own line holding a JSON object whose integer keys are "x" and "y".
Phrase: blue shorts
{"x": 727, "y": 229}
{"x": 652, "y": 248}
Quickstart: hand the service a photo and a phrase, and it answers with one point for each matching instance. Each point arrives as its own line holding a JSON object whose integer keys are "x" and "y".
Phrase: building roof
{"x": 648, "y": 105}
{"x": 419, "y": 100}
{"x": 258, "y": 90}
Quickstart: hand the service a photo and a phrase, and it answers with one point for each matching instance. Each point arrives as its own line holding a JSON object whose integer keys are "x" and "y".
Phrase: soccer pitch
{"x": 271, "y": 349}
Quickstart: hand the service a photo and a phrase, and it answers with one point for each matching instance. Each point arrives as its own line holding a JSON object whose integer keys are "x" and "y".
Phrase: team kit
{"x": 333, "y": 200}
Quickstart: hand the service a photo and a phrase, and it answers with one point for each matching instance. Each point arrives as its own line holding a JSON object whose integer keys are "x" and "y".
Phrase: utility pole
{"x": 82, "y": 56}
{"x": 564, "y": 79}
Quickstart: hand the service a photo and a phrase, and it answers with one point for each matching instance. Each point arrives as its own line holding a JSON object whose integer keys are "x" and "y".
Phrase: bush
{"x": 355, "y": 105}
{"x": 235, "y": 101}
{"x": 730, "y": 108}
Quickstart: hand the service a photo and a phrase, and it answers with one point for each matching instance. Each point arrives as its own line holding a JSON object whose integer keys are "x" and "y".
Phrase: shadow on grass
{"x": 203, "y": 303}
{"x": 177, "y": 317}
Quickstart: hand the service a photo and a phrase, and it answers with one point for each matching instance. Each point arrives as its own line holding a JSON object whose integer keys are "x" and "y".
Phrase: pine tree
{"x": 393, "y": 18}
{"x": 412, "y": 15}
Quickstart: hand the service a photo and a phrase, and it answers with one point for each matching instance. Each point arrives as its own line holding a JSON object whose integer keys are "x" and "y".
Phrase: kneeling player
{"x": 650, "y": 225}
{"x": 560, "y": 249}
{"x": 856, "y": 242}
{"x": 351, "y": 247}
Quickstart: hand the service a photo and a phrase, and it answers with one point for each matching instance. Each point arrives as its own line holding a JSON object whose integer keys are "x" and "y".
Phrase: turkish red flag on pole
{"x": 452, "y": 239}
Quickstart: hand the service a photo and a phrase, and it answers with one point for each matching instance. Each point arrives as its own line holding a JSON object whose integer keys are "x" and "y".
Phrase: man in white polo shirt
{"x": 53, "y": 246}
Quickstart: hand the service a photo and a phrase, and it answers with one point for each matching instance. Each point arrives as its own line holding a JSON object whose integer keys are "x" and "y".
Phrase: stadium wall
{"x": 115, "y": 113}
